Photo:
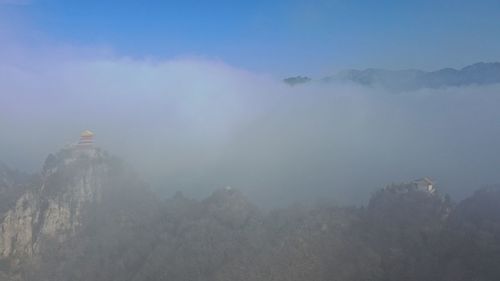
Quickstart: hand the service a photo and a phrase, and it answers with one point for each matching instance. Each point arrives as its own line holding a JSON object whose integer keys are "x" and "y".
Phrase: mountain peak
{"x": 230, "y": 206}
{"x": 52, "y": 209}
{"x": 71, "y": 155}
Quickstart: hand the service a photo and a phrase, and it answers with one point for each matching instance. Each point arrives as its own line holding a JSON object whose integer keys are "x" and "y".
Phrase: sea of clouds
{"x": 196, "y": 124}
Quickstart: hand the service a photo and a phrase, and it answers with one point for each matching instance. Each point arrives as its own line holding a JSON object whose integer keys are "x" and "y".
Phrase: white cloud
{"x": 197, "y": 125}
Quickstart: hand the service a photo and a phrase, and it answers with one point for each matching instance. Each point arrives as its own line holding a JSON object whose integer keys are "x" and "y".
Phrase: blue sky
{"x": 275, "y": 37}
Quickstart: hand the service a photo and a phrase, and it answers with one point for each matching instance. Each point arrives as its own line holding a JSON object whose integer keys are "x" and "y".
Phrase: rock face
{"x": 13, "y": 184}
{"x": 53, "y": 207}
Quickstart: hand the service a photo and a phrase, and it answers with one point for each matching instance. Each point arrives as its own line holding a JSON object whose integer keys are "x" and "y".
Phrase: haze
{"x": 196, "y": 121}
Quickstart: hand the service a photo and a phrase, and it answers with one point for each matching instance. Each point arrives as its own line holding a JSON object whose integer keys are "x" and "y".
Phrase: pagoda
{"x": 86, "y": 139}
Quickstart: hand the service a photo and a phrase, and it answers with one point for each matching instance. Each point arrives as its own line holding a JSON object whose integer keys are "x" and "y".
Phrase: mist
{"x": 197, "y": 124}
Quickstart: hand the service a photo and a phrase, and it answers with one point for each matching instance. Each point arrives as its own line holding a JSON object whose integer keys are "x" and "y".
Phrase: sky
{"x": 190, "y": 94}
{"x": 280, "y": 38}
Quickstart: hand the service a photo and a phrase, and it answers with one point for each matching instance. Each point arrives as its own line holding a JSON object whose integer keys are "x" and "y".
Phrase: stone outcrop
{"x": 53, "y": 207}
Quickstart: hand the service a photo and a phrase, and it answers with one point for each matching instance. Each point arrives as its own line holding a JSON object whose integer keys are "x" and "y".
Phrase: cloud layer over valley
{"x": 197, "y": 124}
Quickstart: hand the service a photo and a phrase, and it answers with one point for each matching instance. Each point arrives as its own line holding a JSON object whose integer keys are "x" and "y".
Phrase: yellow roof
{"x": 86, "y": 133}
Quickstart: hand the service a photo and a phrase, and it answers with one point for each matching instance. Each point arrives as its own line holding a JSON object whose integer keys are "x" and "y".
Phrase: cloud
{"x": 194, "y": 125}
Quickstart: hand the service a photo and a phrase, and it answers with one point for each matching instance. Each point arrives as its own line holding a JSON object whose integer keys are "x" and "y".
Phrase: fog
{"x": 196, "y": 124}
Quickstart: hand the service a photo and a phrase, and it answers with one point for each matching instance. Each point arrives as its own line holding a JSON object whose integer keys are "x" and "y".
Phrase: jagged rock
{"x": 53, "y": 207}
{"x": 13, "y": 184}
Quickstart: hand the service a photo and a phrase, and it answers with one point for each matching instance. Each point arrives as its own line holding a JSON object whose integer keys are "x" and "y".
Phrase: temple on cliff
{"x": 86, "y": 139}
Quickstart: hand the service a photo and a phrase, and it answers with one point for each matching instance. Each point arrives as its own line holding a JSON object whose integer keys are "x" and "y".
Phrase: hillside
{"x": 87, "y": 217}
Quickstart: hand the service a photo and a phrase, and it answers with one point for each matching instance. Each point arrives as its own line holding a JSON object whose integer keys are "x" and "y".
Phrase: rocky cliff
{"x": 53, "y": 206}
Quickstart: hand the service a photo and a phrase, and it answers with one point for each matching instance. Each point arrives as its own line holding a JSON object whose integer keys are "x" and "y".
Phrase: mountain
{"x": 411, "y": 80}
{"x": 75, "y": 187}
{"x": 12, "y": 185}
{"x": 86, "y": 216}
{"x": 296, "y": 80}
{"x": 470, "y": 244}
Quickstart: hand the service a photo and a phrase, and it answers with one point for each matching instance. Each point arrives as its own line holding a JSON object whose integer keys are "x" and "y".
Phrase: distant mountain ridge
{"x": 413, "y": 79}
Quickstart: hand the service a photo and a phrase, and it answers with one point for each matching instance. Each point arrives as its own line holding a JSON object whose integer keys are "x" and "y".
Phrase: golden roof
{"x": 86, "y": 133}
